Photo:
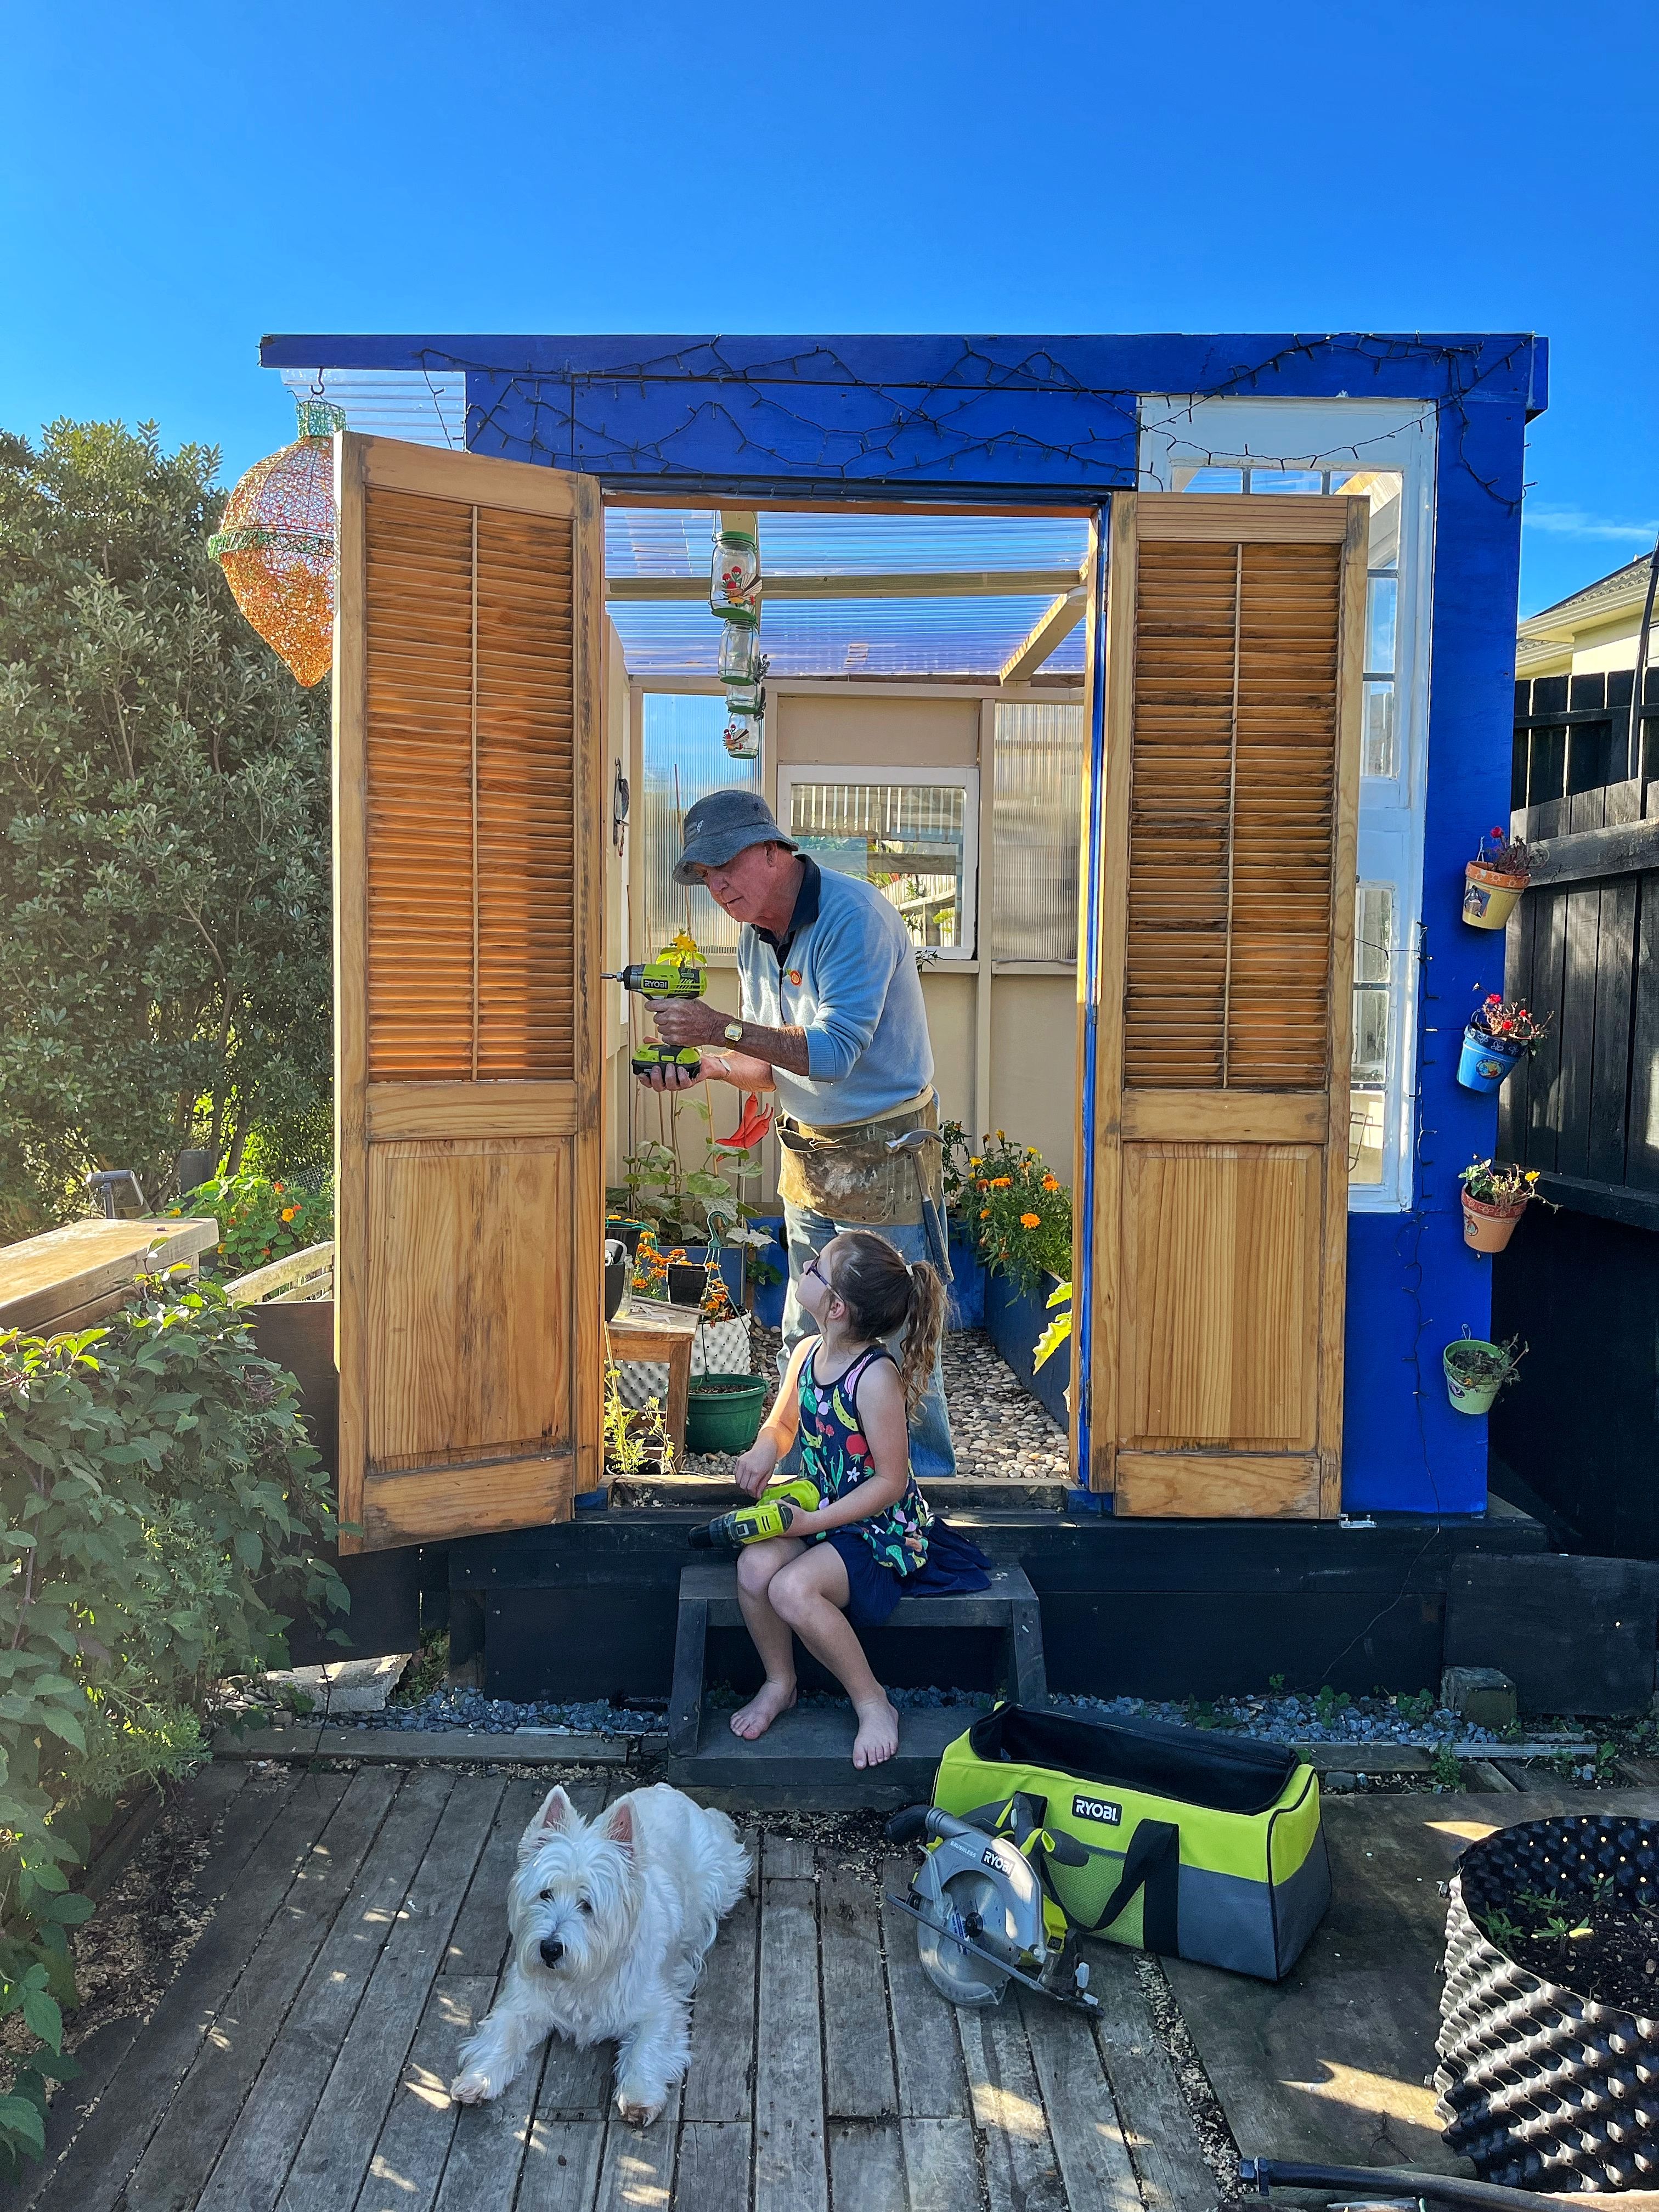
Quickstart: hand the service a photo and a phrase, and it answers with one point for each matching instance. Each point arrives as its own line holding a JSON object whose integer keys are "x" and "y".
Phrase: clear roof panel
{"x": 888, "y": 635}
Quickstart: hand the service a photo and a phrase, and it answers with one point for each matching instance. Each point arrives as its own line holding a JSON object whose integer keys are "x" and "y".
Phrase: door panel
{"x": 1219, "y": 1242}
{"x": 467, "y": 821}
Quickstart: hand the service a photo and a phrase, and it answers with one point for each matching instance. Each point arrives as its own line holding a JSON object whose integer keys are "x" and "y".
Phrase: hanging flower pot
{"x": 742, "y": 736}
{"x": 1495, "y": 879}
{"x": 723, "y": 1413}
{"x": 276, "y": 544}
{"x": 1476, "y": 1370}
{"x": 1494, "y": 1199}
{"x": 1501, "y": 1034}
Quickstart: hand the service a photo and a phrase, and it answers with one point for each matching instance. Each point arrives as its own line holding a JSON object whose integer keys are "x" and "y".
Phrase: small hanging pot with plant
{"x": 1476, "y": 1370}
{"x": 1494, "y": 879}
{"x": 1494, "y": 1199}
{"x": 1501, "y": 1035}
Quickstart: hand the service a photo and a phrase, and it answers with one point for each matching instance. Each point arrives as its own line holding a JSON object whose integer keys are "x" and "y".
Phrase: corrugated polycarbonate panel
{"x": 843, "y": 637}
{"x": 422, "y": 408}
{"x": 643, "y": 541}
{"x": 684, "y": 761}
{"x": 1037, "y": 825}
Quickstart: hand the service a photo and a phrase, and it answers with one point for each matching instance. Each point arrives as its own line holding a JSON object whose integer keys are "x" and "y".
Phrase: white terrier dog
{"x": 610, "y": 1922}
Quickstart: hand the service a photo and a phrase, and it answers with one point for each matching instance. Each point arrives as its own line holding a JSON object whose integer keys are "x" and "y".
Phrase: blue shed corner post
{"x": 1412, "y": 1284}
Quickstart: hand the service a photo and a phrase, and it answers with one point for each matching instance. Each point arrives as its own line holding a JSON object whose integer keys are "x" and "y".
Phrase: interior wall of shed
{"x": 1003, "y": 1034}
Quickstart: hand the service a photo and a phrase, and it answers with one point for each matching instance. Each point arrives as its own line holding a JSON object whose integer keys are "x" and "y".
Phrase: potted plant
{"x": 1021, "y": 1216}
{"x": 1494, "y": 1199}
{"x": 637, "y": 1442}
{"x": 1476, "y": 1370}
{"x": 618, "y": 1266}
{"x": 1501, "y": 1034}
{"x": 723, "y": 1413}
{"x": 1549, "y": 2015}
{"x": 1494, "y": 879}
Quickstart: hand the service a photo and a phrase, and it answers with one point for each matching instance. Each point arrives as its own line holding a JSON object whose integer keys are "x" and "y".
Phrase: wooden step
{"x": 814, "y": 1745}
{"x": 808, "y": 1751}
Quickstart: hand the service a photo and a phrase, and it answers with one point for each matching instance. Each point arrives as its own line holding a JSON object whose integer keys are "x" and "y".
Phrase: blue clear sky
{"x": 175, "y": 179}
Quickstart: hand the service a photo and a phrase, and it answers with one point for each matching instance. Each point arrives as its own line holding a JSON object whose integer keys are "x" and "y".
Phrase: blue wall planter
{"x": 1015, "y": 1320}
{"x": 966, "y": 1306}
{"x": 768, "y": 1304}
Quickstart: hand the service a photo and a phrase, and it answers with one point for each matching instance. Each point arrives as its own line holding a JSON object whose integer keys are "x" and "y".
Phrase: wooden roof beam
{"x": 1061, "y": 618}
{"x": 1001, "y": 583}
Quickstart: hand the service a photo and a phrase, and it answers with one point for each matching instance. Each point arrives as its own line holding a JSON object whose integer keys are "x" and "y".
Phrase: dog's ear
{"x": 619, "y": 1824}
{"x": 556, "y": 1809}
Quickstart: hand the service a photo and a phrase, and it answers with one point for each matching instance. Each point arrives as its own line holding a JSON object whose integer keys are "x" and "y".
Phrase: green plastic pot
{"x": 1468, "y": 1397}
{"x": 723, "y": 1413}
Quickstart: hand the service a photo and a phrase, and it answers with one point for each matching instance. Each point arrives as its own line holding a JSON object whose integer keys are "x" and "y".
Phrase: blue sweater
{"x": 850, "y": 982}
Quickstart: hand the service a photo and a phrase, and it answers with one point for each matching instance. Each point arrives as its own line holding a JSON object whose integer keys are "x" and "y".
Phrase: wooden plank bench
{"x": 73, "y": 1277}
{"x": 813, "y": 1744}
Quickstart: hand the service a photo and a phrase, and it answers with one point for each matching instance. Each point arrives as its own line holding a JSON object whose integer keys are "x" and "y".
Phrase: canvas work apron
{"x": 848, "y": 1174}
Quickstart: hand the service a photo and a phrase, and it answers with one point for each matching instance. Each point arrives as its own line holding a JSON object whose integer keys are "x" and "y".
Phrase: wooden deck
{"x": 299, "y": 2061}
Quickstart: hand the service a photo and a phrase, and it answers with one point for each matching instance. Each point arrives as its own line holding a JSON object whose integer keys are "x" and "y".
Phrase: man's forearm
{"x": 784, "y": 1048}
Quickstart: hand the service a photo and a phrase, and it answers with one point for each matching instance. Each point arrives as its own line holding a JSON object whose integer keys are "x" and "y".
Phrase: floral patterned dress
{"x": 833, "y": 1454}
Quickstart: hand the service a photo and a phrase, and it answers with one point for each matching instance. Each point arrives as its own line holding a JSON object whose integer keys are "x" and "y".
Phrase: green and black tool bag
{"x": 1200, "y": 1847}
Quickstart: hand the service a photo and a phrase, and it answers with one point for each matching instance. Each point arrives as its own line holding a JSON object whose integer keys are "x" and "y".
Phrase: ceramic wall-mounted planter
{"x": 1486, "y": 1060}
{"x": 1488, "y": 1228}
{"x": 1489, "y": 895}
{"x": 1467, "y": 1396}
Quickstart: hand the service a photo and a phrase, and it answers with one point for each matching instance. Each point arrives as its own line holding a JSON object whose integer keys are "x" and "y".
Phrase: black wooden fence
{"x": 1572, "y": 734}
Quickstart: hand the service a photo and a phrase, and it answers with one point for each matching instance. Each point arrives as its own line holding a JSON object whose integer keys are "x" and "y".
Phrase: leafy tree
{"x": 164, "y": 832}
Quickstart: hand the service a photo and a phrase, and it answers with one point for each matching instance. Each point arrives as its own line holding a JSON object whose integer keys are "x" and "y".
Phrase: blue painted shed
{"x": 941, "y": 518}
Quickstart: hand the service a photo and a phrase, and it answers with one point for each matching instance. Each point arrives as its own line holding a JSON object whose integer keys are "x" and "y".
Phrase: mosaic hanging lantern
{"x": 276, "y": 544}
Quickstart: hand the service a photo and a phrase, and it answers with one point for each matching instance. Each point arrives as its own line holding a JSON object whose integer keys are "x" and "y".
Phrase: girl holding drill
{"x": 873, "y": 1535}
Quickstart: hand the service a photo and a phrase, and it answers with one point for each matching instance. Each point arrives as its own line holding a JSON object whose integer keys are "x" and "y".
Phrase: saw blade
{"x": 970, "y": 1899}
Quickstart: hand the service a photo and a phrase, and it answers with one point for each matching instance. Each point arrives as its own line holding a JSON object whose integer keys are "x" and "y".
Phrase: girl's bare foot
{"x": 878, "y": 1733}
{"x": 772, "y": 1698}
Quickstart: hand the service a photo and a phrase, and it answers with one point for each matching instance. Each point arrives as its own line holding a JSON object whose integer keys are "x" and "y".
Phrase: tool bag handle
{"x": 1152, "y": 1862}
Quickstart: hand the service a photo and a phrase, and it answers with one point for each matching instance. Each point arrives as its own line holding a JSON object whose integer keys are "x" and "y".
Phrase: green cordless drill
{"x": 769, "y": 1516}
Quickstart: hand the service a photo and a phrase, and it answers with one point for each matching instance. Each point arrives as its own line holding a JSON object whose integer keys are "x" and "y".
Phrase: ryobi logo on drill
{"x": 1097, "y": 1808}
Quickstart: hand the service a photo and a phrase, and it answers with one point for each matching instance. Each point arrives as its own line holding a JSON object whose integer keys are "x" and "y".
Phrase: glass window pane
{"x": 1299, "y": 481}
{"x": 684, "y": 761}
{"x": 1217, "y": 480}
{"x": 907, "y": 839}
{"x": 1381, "y": 610}
{"x": 1378, "y": 755}
{"x": 1373, "y": 1015}
{"x": 1367, "y": 1136}
{"x": 1373, "y": 934}
{"x": 1036, "y": 824}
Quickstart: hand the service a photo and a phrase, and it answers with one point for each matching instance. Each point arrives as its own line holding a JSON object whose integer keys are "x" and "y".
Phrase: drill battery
{"x": 653, "y": 1053}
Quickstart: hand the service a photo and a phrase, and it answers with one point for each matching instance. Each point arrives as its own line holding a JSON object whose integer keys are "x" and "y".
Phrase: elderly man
{"x": 833, "y": 1020}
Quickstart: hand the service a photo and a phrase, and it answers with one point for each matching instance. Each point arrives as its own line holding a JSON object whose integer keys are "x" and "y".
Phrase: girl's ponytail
{"x": 923, "y": 1329}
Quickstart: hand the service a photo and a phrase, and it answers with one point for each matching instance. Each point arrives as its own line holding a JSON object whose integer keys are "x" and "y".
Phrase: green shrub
{"x": 260, "y": 1219}
{"x": 163, "y": 1515}
{"x": 1018, "y": 1214}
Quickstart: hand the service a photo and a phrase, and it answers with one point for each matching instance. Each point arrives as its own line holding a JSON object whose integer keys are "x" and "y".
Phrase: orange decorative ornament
{"x": 276, "y": 544}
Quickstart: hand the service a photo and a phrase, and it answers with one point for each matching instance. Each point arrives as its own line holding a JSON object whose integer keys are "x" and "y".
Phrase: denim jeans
{"x": 931, "y": 1452}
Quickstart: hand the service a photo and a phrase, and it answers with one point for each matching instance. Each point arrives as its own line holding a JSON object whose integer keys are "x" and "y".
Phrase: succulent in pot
{"x": 1494, "y": 1199}
{"x": 1495, "y": 879}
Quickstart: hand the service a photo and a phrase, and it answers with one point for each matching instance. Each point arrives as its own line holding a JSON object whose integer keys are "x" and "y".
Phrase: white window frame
{"x": 878, "y": 772}
{"x": 1177, "y": 430}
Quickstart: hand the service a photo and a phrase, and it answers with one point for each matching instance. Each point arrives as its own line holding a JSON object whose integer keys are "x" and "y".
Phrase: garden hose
{"x": 1263, "y": 2174}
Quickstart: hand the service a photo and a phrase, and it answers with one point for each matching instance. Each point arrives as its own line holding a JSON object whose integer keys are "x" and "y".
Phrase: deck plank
{"x": 488, "y": 2148}
{"x": 253, "y": 2165}
{"x": 858, "y": 2046}
{"x": 713, "y": 2167}
{"x": 1083, "y": 2123}
{"x": 866, "y": 2166}
{"x": 332, "y": 2160}
{"x": 932, "y": 2084}
{"x": 790, "y": 2174}
{"x": 719, "y": 2079}
{"x": 408, "y": 2163}
{"x": 638, "y": 2168}
{"x": 562, "y": 2165}
{"x": 1021, "y": 2172}
{"x": 940, "y": 2166}
{"x": 118, "y": 2130}
{"x": 1151, "y": 2112}
{"x": 200, "y": 1811}
{"x": 186, "y": 2147}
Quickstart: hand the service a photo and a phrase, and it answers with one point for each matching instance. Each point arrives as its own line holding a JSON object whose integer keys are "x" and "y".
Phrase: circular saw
{"x": 983, "y": 1914}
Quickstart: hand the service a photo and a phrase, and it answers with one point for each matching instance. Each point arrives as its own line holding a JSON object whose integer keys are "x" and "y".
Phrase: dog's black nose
{"x": 552, "y": 1951}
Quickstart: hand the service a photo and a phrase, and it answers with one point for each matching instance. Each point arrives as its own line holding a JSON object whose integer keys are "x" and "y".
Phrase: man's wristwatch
{"x": 732, "y": 1032}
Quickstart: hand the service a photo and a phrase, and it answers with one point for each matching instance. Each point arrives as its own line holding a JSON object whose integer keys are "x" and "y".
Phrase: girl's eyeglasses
{"x": 813, "y": 1268}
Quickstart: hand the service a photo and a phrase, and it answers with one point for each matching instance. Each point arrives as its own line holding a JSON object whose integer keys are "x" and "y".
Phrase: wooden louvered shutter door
{"x": 467, "y": 880}
{"x": 1235, "y": 631}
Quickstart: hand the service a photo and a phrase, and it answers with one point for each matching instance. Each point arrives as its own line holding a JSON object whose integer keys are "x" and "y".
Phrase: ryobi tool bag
{"x": 1200, "y": 1847}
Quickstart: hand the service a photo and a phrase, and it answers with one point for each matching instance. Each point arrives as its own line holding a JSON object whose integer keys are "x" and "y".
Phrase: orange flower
{"x": 1051, "y": 1183}
{"x": 1002, "y": 1182}
{"x": 1030, "y": 1221}
{"x": 985, "y": 1213}
{"x": 277, "y": 1186}
{"x": 288, "y": 1213}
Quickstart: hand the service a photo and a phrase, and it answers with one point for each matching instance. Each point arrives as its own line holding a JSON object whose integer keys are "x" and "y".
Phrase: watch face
{"x": 734, "y": 1032}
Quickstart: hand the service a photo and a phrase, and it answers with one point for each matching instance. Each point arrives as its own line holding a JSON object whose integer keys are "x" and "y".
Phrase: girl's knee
{"x": 757, "y": 1565}
{"x": 796, "y": 1589}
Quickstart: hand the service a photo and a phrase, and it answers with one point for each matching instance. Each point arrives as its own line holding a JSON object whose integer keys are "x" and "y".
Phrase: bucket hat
{"x": 720, "y": 826}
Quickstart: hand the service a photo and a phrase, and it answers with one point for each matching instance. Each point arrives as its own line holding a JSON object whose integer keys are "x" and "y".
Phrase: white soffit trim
{"x": 423, "y": 408}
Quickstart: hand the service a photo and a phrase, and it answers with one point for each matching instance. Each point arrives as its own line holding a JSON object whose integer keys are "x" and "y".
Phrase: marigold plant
{"x": 1020, "y": 1213}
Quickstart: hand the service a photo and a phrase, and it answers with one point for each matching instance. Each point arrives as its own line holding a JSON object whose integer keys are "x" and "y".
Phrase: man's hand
{"x": 688, "y": 1022}
{"x": 670, "y": 1077}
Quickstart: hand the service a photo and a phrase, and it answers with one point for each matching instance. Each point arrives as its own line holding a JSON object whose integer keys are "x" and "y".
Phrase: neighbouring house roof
{"x": 1612, "y": 606}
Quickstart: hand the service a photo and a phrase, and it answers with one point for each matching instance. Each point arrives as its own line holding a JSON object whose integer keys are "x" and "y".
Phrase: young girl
{"x": 873, "y": 1535}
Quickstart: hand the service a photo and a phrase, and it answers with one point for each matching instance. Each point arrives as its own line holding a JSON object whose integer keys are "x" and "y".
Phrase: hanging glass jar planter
{"x": 741, "y": 735}
{"x": 740, "y": 653}
{"x": 734, "y": 577}
{"x": 748, "y": 698}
